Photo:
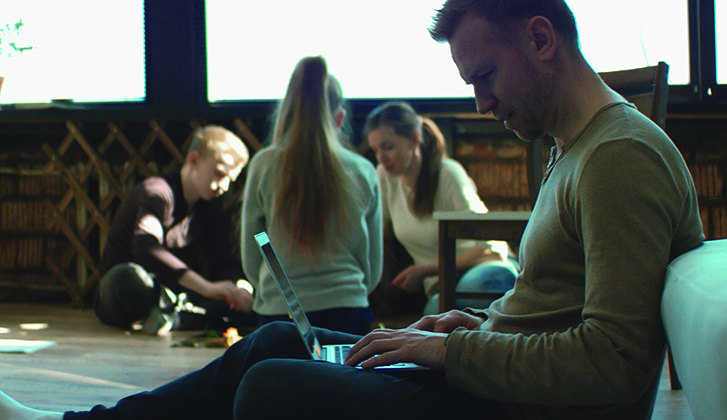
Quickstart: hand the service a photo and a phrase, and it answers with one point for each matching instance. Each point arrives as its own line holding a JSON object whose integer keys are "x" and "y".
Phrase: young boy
{"x": 154, "y": 234}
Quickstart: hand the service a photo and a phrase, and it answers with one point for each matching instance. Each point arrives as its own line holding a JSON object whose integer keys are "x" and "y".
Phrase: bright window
{"x": 622, "y": 34}
{"x": 79, "y": 50}
{"x": 376, "y": 48}
{"x": 381, "y": 48}
{"x": 720, "y": 15}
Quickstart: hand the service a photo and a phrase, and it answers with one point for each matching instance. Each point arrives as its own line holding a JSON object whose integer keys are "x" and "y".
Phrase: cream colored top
{"x": 420, "y": 236}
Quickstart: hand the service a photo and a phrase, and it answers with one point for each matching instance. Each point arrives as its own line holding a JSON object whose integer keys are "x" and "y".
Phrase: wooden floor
{"x": 95, "y": 364}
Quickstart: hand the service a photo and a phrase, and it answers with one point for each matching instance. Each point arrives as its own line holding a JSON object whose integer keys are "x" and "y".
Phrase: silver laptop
{"x": 334, "y": 353}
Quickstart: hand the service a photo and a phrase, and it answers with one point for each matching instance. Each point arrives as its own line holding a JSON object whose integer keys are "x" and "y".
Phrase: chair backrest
{"x": 645, "y": 87}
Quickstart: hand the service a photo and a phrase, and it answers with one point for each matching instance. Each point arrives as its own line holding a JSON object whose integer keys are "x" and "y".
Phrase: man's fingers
{"x": 381, "y": 359}
{"x": 447, "y": 322}
{"x": 370, "y": 345}
{"x": 425, "y": 323}
{"x": 394, "y": 346}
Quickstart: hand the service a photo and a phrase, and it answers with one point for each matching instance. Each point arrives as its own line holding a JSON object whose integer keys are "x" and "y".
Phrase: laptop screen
{"x": 295, "y": 310}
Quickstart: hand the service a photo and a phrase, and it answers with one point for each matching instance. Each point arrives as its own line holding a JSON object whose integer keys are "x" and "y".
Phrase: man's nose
{"x": 484, "y": 100}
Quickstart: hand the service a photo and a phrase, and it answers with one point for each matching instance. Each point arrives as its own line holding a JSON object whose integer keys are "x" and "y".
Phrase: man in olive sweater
{"x": 580, "y": 336}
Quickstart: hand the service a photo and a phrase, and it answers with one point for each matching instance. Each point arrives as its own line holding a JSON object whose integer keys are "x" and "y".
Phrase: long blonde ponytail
{"x": 311, "y": 179}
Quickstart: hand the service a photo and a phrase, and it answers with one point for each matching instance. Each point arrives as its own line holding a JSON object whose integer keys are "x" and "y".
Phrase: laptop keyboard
{"x": 341, "y": 353}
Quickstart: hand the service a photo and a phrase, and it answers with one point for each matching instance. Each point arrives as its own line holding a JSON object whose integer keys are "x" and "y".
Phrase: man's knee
{"x": 269, "y": 382}
{"x": 313, "y": 389}
{"x": 261, "y": 383}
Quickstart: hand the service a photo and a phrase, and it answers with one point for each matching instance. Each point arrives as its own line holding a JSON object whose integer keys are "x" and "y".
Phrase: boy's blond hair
{"x": 214, "y": 140}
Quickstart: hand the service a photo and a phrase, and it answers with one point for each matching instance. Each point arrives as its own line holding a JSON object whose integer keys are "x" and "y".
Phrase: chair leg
{"x": 673, "y": 378}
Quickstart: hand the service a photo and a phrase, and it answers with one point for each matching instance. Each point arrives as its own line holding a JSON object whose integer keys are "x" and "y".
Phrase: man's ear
{"x": 541, "y": 36}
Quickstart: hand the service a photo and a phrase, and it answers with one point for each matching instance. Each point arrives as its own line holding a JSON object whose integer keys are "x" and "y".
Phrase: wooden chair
{"x": 646, "y": 88}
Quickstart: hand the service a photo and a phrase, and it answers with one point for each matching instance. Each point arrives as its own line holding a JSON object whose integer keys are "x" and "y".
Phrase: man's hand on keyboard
{"x": 387, "y": 347}
{"x": 448, "y": 322}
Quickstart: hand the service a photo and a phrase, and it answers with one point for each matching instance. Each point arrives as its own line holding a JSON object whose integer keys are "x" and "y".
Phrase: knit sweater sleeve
{"x": 253, "y": 219}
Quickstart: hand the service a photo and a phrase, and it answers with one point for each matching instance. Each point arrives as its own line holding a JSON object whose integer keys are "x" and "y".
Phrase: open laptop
{"x": 334, "y": 353}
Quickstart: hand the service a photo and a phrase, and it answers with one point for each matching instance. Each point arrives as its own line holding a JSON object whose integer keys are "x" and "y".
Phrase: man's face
{"x": 506, "y": 80}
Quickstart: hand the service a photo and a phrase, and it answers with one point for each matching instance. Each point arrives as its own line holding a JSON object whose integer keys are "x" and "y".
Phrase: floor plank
{"x": 95, "y": 364}
{"x": 91, "y": 363}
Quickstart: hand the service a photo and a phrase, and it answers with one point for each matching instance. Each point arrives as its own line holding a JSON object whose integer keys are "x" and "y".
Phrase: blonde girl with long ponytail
{"x": 319, "y": 203}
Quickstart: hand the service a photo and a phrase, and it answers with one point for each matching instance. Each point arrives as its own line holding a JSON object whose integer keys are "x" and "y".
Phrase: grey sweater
{"x": 582, "y": 331}
{"x": 350, "y": 265}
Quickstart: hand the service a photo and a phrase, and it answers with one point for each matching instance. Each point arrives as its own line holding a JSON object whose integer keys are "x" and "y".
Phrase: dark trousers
{"x": 348, "y": 320}
{"x": 127, "y": 293}
{"x": 268, "y": 375}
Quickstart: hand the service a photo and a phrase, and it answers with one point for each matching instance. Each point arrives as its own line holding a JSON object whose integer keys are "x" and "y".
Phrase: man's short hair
{"x": 212, "y": 139}
{"x": 505, "y": 14}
